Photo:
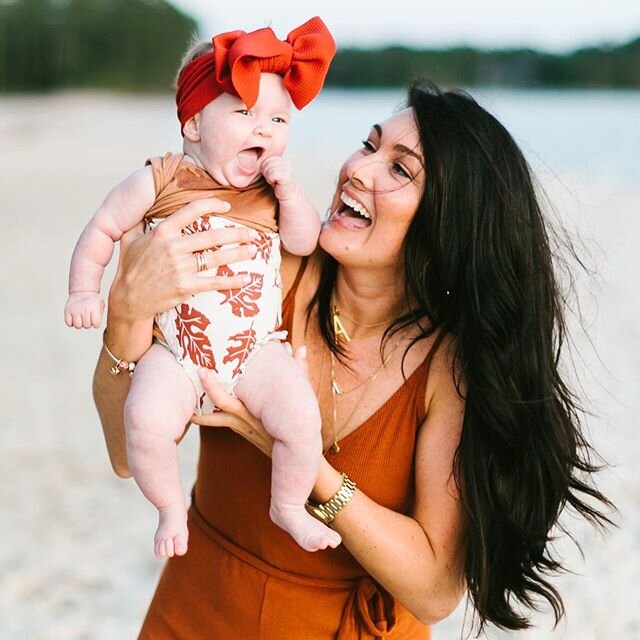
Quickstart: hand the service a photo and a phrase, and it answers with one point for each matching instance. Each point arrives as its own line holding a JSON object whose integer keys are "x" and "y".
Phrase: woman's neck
{"x": 366, "y": 302}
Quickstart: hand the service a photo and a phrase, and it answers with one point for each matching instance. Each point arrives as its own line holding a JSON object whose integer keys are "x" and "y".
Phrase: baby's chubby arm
{"x": 299, "y": 222}
{"x": 122, "y": 209}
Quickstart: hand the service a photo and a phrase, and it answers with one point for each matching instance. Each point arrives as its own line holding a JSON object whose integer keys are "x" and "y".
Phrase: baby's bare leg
{"x": 276, "y": 390}
{"x": 158, "y": 407}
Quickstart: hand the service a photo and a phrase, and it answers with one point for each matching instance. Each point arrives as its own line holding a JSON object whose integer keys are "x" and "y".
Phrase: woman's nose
{"x": 360, "y": 173}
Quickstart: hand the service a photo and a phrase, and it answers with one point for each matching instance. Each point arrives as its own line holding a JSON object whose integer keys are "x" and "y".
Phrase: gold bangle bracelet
{"x": 327, "y": 511}
{"x": 119, "y": 364}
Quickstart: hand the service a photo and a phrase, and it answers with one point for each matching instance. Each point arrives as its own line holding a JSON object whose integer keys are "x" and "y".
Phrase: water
{"x": 590, "y": 134}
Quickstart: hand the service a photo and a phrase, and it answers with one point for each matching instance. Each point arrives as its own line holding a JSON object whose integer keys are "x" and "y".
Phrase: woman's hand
{"x": 232, "y": 412}
{"x": 159, "y": 269}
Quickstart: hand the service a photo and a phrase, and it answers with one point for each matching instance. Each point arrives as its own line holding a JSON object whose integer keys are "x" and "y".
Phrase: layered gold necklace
{"x": 341, "y": 334}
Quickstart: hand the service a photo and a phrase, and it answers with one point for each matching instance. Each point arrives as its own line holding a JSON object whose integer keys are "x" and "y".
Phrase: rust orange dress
{"x": 244, "y": 578}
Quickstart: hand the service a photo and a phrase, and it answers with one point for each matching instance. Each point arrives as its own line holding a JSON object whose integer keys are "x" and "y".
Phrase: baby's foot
{"x": 308, "y": 532}
{"x": 172, "y": 534}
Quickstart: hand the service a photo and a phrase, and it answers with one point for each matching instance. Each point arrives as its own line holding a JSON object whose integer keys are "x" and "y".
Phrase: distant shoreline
{"x": 109, "y": 45}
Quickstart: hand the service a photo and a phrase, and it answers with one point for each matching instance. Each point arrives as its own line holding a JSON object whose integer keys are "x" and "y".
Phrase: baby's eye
{"x": 243, "y": 112}
{"x": 368, "y": 145}
{"x": 279, "y": 120}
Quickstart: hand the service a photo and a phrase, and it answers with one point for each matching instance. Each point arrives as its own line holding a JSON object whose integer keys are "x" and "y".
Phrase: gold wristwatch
{"x": 327, "y": 511}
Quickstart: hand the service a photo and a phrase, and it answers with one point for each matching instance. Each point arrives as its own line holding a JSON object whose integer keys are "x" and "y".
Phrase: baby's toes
{"x": 180, "y": 544}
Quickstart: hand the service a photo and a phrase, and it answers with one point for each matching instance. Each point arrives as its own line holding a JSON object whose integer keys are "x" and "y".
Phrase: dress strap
{"x": 289, "y": 302}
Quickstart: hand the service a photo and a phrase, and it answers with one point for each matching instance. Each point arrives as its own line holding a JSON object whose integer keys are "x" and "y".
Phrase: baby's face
{"x": 234, "y": 141}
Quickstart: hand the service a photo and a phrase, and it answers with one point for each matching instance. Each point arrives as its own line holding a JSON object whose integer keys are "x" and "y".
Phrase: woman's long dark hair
{"x": 479, "y": 266}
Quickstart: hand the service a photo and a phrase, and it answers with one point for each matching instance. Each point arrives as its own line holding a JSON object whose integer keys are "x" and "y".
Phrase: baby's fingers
{"x": 96, "y": 315}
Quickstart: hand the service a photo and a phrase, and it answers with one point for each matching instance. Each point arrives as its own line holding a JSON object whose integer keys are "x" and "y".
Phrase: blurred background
{"x": 85, "y": 98}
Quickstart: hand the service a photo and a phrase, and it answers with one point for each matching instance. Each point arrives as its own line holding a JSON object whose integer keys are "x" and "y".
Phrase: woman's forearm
{"x": 395, "y": 550}
{"x": 129, "y": 341}
{"x": 109, "y": 394}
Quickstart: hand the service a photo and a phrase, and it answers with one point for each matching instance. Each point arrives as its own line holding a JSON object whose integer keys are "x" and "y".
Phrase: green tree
{"x": 126, "y": 44}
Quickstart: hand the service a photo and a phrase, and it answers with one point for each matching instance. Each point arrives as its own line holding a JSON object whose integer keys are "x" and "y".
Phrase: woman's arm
{"x": 156, "y": 271}
{"x": 418, "y": 559}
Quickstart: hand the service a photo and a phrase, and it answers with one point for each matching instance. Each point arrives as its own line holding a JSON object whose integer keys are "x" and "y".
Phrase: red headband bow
{"x": 238, "y": 58}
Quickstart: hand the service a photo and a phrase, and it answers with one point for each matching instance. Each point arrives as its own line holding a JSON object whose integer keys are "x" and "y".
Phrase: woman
{"x": 432, "y": 324}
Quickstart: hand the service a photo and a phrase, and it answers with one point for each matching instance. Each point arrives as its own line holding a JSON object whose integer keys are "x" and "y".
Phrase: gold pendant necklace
{"x": 339, "y": 332}
{"x": 336, "y": 391}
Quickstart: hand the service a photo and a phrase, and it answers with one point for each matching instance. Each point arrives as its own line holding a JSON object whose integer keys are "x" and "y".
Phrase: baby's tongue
{"x": 248, "y": 160}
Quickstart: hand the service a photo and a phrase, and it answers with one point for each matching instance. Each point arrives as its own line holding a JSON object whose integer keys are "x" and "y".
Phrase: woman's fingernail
{"x": 302, "y": 352}
{"x": 246, "y": 279}
{"x": 226, "y": 206}
{"x": 253, "y": 234}
{"x": 203, "y": 373}
{"x": 253, "y": 249}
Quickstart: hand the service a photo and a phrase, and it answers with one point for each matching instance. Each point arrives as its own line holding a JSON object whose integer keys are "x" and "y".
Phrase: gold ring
{"x": 201, "y": 262}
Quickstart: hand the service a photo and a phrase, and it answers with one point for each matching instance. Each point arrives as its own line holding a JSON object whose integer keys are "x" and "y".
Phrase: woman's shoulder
{"x": 445, "y": 383}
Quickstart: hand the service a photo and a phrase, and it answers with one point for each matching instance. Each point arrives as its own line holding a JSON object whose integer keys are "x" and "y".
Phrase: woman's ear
{"x": 191, "y": 129}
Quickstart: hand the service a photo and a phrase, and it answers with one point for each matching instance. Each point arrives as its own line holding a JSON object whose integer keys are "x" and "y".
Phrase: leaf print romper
{"x": 220, "y": 330}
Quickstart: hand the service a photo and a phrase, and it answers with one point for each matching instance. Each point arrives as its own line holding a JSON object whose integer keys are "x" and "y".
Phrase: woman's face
{"x": 379, "y": 189}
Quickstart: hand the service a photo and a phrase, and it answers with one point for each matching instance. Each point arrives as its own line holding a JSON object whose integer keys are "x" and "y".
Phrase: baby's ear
{"x": 191, "y": 129}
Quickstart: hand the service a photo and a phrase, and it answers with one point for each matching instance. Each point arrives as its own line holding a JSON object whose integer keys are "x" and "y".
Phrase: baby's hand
{"x": 83, "y": 310}
{"x": 278, "y": 173}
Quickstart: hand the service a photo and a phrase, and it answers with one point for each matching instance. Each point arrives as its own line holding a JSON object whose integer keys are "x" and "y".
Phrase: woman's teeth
{"x": 355, "y": 205}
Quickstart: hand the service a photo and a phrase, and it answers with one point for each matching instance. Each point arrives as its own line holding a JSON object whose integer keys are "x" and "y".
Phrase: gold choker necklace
{"x": 340, "y": 333}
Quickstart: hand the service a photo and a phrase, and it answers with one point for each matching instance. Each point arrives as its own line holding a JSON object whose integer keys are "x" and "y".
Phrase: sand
{"x": 76, "y": 559}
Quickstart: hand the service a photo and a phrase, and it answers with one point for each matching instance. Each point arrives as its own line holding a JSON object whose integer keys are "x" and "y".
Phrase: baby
{"x": 234, "y": 103}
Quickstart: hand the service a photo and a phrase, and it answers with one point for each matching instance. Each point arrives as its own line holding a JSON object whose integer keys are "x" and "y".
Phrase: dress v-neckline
{"x": 405, "y": 385}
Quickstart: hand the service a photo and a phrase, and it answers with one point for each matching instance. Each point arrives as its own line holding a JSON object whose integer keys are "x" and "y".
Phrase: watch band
{"x": 327, "y": 511}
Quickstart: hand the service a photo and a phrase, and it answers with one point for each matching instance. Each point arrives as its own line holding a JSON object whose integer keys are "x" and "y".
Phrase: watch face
{"x": 318, "y": 513}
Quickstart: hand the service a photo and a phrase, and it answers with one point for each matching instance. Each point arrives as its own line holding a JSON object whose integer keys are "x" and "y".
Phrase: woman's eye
{"x": 400, "y": 170}
{"x": 368, "y": 145}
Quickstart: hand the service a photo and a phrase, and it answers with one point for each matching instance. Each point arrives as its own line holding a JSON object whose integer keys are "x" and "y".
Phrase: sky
{"x": 551, "y": 25}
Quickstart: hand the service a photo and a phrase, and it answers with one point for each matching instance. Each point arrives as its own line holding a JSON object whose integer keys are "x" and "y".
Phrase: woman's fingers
{"x": 300, "y": 356}
{"x": 202, "y": 282}
{"x": 233, "y": 414}
{"x": 215, "y": 238}
{"x": 182, "y": 218}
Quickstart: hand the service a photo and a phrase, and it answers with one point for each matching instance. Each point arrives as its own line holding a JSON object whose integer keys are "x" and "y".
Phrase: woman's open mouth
{"x": 351, "y": 214}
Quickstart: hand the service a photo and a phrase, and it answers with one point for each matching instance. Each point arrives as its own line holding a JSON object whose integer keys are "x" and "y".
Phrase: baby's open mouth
{"x": 248, "y": 159}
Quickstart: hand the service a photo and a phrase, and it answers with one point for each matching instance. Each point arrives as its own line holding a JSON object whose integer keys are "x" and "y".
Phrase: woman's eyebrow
{"x": 404, "y": 150}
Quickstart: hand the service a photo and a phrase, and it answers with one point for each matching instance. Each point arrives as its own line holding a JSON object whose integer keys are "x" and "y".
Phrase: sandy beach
{"x": 76, "y": 560}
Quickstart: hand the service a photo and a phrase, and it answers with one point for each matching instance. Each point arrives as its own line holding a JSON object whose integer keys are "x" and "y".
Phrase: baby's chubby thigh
{"x": 161, "y": 399}
{"x": 275, "y": 389}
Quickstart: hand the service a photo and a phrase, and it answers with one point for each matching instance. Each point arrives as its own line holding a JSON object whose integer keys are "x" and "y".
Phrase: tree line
{"x": 593, "y": 67}
{"x": 136, "y": 45}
